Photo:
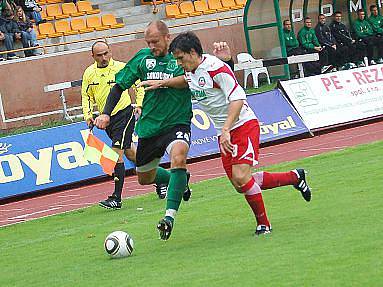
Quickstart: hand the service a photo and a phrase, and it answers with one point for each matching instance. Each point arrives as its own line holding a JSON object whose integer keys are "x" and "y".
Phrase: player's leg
{"x": 177, "y": 147}
{"x": 296, "y": 178}
{"x": 238, "y": 169}
{"x": 120, "y": 132}
{"x": 244, "y": 183}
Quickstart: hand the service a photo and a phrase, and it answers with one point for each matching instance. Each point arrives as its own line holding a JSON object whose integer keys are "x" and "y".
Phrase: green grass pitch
{"x": 335, "y": 240}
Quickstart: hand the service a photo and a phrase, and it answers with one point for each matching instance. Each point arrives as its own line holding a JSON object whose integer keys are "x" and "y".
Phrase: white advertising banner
{"x": 340, "y": 97}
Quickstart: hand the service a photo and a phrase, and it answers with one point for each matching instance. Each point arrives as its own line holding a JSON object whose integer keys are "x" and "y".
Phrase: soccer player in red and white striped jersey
{"x": 214, "y": 86}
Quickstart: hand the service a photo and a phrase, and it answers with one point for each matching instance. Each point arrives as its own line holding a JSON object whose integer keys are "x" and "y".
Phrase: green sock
{"x": 162, "y": 176}
{"x": 176, "y": 188}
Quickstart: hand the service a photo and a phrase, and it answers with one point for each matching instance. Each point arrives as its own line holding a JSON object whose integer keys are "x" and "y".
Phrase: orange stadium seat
{"x": 55, "y": 11}
{"x": 38, "y": 35}
{"x": 201, "y": 6}
{"x": 48, "y": 30}
{"x": 86, "y": 6}
{"x": 53, "y": 1}
{"x": 63, "y": 26}
{"x": 230, "y": 4}
{"x": 95, "y": 22}
{"x": 70, "y": 9}
{"x": 78, "y": 24}
{"x": 217, "y": 5}
{"x": 44, "y": 15}
{"x": 241, "y": 3}
{"x": 172, "y": 11}
{"x": 188, "y": 8}
{"x": 41, "y": 2}
{"x": 111, "y": 21}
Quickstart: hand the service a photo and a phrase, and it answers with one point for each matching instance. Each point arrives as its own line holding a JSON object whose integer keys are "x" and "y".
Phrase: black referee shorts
{"x": 121, "y": 128}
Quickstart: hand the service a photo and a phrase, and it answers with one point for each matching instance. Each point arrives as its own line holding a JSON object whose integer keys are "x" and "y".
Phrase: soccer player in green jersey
{"x": 164, "y": 124}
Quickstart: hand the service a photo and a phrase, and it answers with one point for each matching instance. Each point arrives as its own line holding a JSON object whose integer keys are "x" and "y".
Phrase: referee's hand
{"x": 102, "y": 121}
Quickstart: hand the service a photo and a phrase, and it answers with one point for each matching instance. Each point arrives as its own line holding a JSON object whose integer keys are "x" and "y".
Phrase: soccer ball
{"x": 118, "y": 244}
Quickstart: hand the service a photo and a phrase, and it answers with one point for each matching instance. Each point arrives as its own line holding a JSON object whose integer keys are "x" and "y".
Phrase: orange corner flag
{"x": 97, "y": 151}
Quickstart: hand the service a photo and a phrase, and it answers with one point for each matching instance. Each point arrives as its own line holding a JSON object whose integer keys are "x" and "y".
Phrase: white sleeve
{"x": 225, "y": 80}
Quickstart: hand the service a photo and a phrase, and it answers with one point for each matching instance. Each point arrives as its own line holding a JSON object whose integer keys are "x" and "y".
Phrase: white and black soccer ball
{"x": 118, "y": 244}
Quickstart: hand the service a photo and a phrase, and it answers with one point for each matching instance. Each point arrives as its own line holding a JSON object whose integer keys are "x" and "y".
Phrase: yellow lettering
{"x": 75, "y": 152}
{"x": 14, "y": 163}
{"x": 284, "y": 125}
{"x": 41, "y": 166}
{"x": 291, "y": 121}
{"x": 205, "y": 124}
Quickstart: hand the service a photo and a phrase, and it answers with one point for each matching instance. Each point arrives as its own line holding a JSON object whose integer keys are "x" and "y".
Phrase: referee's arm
{"x": 87, "y": 99}
{"x": 140, "y": 93}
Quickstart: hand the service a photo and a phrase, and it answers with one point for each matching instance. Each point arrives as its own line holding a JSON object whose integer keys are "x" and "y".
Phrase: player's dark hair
{"x": 185, "y": 42}
{"x": 321, "y": 15}
{"x": 338, "y": 12}
{"x": 360, "y": 10}
{"x": 307, "y": 18}
{"x": 99, "y": 41}
{"x": 373, "y": 7}
{"x": 285, "y": 21}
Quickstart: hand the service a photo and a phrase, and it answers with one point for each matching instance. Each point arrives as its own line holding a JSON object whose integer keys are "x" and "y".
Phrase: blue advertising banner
{"x": 54, "y": 157}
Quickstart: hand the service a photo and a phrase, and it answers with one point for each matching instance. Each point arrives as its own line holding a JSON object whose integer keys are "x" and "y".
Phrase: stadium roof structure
{"x": 263, "y": 23}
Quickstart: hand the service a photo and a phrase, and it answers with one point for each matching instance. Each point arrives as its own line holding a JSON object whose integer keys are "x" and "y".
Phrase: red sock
{"x": 253, "y": 195}
{"x": 275, "y": 179}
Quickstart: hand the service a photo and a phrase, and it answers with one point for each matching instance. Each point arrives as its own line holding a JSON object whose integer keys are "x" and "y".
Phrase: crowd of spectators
{"x": 338, "y": 48}
{"x": 16, "y": 24}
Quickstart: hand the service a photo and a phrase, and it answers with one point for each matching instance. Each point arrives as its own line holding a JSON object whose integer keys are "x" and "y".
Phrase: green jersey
{"x": 164, "y": 108}
{"x": 376, "y": 23}
{"x": 291, "y": 41}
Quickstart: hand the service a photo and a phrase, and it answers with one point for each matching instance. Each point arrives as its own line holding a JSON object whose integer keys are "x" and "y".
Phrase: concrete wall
{"x": 22, "y": 83}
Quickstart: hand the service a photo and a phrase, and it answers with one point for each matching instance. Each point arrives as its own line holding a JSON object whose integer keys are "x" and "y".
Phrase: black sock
{"x": 119, "y": 175}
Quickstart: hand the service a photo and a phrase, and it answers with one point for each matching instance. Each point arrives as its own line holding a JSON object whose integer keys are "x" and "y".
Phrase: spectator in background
{"x": 292, "y": 49}
{"x": 11, "y": 32}
{"x": 27, "y": 31}
{"x": 7, "y": 7}
{"x": 336, "y": 55}
{"x": 376, "y": 22}
{"x": 291, "y": 41}
{"x": 309, "y": 42}
{"x": 365, "y": 36}
{"x": 32, "y": 10}
{"x": 353, "y": 53}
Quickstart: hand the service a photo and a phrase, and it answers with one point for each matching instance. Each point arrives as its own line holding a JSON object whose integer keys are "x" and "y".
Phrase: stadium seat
{"x": 78, "y": 24}
{"x": 63, "y": 26}
{"x": 55, "y": 11}
{"x": 48, "y": 30}
{"x": 172, "y": 11}
{"x": 44, "y": 15}
{"x": 41, "y": 2}
{"x": 188, "y": 8}
{"x": 230, "y": 4}
{"x": 241, "y": 3}
{"x": 95, "y": 22}
{"x": 111, "y": 21}
{"x": 70, "y": 9}
{"x": 201, "y": 6}
{"x": 53, "y": 1}
{"x": 246, "y": 58}
{"x": 86, "y": 6}
{"x": 217, "y": 5}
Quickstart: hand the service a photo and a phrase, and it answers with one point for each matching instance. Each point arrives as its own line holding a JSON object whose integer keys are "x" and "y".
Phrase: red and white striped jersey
{"x": 214, "y": 86}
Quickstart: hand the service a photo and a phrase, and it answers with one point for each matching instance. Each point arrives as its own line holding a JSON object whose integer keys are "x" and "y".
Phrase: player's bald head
{"x": 157, "y": 26}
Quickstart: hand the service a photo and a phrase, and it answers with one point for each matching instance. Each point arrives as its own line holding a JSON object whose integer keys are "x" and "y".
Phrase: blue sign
{"x": 54, "y": 157}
